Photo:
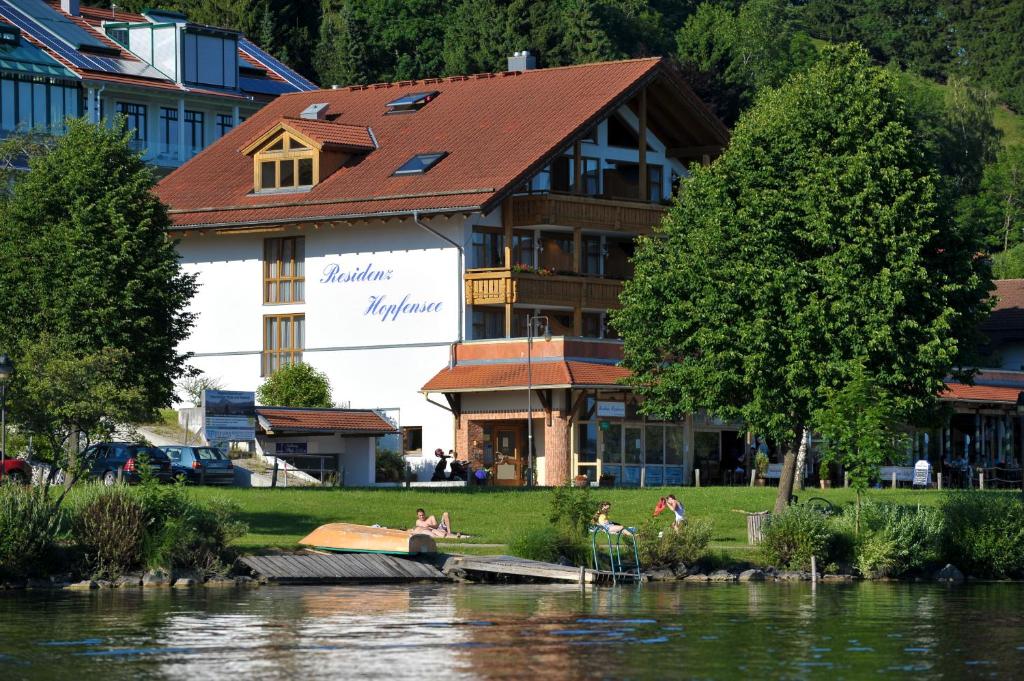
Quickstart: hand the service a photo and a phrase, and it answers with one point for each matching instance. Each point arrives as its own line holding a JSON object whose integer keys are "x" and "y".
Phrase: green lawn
{"x": 281, "y": 517}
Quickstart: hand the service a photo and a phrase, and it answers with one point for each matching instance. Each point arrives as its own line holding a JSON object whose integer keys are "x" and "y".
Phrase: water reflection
{"x": 550, "y": 632}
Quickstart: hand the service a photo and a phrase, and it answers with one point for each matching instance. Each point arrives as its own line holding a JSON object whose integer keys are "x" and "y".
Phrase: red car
{"x": 16, "y": 470}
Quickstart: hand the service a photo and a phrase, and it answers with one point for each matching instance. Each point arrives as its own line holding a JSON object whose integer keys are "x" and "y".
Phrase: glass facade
{"x": 40, "y": 104}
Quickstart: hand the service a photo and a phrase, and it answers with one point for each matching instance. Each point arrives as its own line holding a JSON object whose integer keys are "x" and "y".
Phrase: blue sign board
{"x": 229, "y": 416}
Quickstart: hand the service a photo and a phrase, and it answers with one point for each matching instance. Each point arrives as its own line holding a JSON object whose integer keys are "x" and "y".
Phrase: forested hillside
{"x": 962, "y": 62}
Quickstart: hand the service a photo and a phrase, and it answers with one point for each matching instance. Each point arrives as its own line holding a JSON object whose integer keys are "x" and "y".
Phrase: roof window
{"x": 420, "y": 163}
{"x": 411, "y": 102}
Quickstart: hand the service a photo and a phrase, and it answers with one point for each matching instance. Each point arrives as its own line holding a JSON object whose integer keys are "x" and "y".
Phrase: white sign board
{"x": 614, "y": 410}
{"x": 229, "y": 416}
{"x": 385, "y": 298}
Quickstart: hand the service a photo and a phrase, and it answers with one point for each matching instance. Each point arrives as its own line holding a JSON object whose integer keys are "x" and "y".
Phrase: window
{"x": 411, "y": 102}
{"x": 556, "y": 251}
{"x": 654, "y": 177}
{"x": 593, "y": 324}
{"x": 135, "y": 115}
{"x": 283, "y": 339}
{"x": 592, "y": 258}
{"x": 621, "y": 134}
{"x": 284, "y": 271}
{"x": 420, "y": 163}
{"x": 225, "y": 123}
{"x": 168, "y": 131}
{"x": 488, "y": 247}
{"x": 488, "y": 323}
{"x": 412, "y": 440}
{"x": 522, "y": 248}
{"x": 285, "y": 163}
{"x": 194, "y": 133}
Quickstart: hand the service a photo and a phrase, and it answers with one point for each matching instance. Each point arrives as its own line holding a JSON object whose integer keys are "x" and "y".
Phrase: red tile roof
{"x": 329, "y": 133}
{"x": 342, "y": 421}
{"x": 980, "y": 393}
{"x": 498, "y": 129}
{"x": 1008, "y": 314}
{"x": 548, "y": 374}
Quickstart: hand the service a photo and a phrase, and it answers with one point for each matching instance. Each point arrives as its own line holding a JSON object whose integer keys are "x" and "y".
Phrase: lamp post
{"x": 6, "y": 371}
{"x": 531, "y": 322}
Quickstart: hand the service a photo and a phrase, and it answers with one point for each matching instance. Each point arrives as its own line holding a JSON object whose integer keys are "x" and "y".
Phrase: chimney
{"x": 314, "y": 112}
{"x": 522, "y": 61}
{"x": 70, "y": 7}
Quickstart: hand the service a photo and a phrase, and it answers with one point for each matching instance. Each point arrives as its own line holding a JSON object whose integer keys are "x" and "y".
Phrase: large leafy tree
{"x": 296, "y": 385}
{"x": 818, "y": 243}
{"x": 86, "y": 265}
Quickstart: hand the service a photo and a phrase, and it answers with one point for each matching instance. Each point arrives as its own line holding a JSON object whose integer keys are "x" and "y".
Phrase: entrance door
{"x": 509, "y": 455}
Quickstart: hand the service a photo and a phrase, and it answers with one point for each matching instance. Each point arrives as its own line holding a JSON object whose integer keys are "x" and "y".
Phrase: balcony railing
{"x": 501, "y": 286}
{"x": 570, "y": 210}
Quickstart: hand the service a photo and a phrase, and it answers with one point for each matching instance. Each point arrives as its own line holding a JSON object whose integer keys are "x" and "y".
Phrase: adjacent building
{"x": 181, "y": 86}
{"x": 406, "y": 238}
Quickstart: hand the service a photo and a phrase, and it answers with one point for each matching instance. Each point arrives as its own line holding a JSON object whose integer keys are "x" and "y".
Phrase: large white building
{"x": 180, "y": 85}
{"x": 398, "y": 236}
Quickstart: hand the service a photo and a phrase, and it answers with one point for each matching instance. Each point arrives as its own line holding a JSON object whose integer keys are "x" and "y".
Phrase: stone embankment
{"x": 947, "y": 575}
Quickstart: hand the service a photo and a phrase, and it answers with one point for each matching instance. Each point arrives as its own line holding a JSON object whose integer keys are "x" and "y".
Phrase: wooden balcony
{"x": 587, "y": 212}
{"x": 501, "y": 287}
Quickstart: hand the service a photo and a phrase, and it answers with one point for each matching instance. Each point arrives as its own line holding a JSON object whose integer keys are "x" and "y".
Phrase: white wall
{"x": 376, "y": 353}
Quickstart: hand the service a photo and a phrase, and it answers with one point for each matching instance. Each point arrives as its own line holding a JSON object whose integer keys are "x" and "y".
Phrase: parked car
{"x": 16, "y": 470}
{"x": 201, "y": 465}
{"x": 105, "y": 459}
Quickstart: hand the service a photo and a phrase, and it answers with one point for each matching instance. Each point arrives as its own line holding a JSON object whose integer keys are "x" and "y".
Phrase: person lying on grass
{"x": 610, "y": 526}
{"x": 429, "y": 525}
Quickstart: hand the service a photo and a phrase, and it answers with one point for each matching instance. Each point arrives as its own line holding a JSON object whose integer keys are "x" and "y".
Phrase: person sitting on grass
{"x": 429, "y": 525}
{"x": 610, "y": 526}
{"x": 670, "y": 502}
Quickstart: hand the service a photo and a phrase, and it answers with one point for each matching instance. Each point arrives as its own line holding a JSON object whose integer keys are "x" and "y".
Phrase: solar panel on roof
{"x": 293, "y": 79}
{"x": 60, "y": 26}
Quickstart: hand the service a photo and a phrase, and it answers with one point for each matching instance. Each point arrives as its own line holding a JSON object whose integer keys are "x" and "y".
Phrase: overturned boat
{"x": 349, "y": 538}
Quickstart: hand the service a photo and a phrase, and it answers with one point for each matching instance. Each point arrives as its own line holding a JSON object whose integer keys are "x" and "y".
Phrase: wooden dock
{"x": 511, "y": 568}
{"x": 315, "y": 567}
{"x": 341, "y": 568}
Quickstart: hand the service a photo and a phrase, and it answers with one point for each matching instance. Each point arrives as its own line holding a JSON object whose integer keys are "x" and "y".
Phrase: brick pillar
{"x": 557, "y": 454}
{"x": 469, "y": 441}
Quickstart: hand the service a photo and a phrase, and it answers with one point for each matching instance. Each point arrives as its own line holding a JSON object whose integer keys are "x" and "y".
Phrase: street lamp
{"x": 6, "y": 371}
{"x": 531, "y": 322}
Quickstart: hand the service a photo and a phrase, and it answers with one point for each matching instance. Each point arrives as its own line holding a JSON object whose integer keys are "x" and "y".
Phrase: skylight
{"x": 420, "y": 163}
{"x": 411, "y": 102}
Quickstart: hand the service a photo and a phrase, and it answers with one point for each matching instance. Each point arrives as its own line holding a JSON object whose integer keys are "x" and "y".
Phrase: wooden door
{"x": 509, "y": 455}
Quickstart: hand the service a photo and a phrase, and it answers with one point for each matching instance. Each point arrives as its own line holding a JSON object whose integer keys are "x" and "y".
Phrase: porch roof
{"x": 986, "y": 394}
{"x": 292, "y": 420}
{"x": 463, "y": 378}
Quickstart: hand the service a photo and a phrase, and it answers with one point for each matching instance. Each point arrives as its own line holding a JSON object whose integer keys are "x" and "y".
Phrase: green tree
{"x": 860, "y": 426}
{"x": 296, "y": 385}
{"x": 341, "y": 53}
{"x": 816, "y": 243}
{"x": 744, "y": 52}
{"x": 583, "y": 39}
{"x": 475, "y": 38}
{"x": 85, "y": 261}
{"x": 998, "y": 208}
{"x": 62, "y": 391}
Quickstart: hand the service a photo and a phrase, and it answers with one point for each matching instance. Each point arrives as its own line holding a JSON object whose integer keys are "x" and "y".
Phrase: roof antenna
{"x": 113, "y": 8}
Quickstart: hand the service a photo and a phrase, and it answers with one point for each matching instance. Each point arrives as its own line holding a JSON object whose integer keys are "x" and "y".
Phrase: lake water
{"x": 666, "y": 631}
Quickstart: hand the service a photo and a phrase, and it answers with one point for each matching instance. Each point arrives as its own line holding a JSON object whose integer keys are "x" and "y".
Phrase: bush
{"x": 790, "y": 539}
{"x": 111, "y": 528}
{"x": 661, "y": 545}
{"x": 894, "y": 539}
{"x": 296, "y": 385}
{"x": 390, "y": 466}
{"x": 549, "y": 545}
{"x": 984, "y": 533}
{"x": 572, "y": 510}
{"x": 29, "y": 524}
{"x": 197, "y": 539}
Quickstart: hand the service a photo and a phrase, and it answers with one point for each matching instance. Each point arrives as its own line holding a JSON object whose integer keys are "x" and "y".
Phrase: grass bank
{"x": 280, "y": 517}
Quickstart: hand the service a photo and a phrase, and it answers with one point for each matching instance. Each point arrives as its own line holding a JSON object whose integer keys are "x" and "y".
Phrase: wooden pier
{"x": 341, "y": 568}
{"x": 314, "y": 567}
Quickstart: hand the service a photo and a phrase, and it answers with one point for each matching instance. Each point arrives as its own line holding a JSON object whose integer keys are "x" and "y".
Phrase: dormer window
{"x": 285, "y": 164}
{"x": 296, "y": 154}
